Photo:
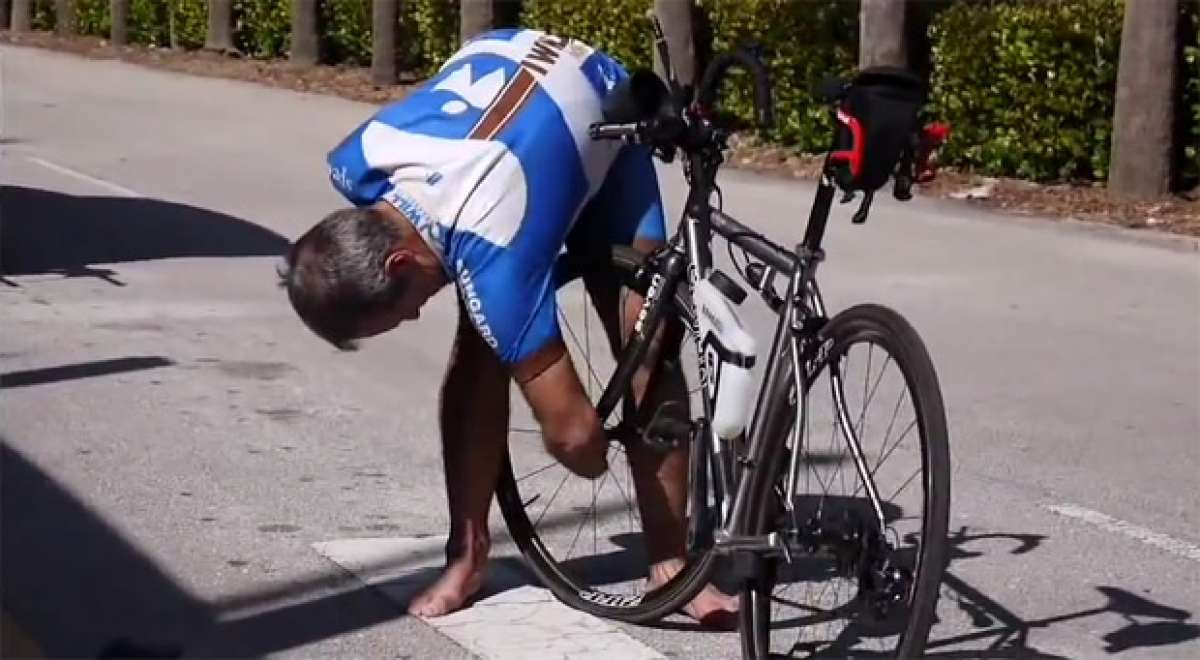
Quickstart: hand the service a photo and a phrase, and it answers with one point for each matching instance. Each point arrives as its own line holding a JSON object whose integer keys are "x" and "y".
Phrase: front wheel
{"x": 852, "y": 586}
{"x": 584, "y": 538}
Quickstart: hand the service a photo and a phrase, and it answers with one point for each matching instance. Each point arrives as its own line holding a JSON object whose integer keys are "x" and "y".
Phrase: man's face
{"x": 406, "y": 308}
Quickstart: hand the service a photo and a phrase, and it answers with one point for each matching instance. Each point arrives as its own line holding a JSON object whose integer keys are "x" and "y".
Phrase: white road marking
{"x": 521, "y": 622}
{"x": 1149, "y": 537}
{"x": 108, "y": 185}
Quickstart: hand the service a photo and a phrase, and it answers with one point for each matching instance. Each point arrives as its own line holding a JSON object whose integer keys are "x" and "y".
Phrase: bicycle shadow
{"x": 1149, "y": 624}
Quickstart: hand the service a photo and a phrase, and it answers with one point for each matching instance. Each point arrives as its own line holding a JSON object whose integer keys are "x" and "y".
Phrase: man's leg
{"x": 474, "y": 425}
{"x": 661, "y": 478}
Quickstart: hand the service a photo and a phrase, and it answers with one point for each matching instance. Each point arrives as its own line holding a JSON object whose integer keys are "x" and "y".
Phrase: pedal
{"x": 669, "y": 428}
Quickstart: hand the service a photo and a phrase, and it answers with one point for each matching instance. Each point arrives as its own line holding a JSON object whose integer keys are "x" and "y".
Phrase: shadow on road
{"x": 81, "y": 370}
{"x": 51, "y": 232}
{"x": 81, "y": 589}
{"x": 1007, "y": 635}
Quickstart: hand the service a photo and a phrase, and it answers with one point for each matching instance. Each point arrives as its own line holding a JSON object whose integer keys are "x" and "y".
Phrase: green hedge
{"x": 149, "y": 21}
{"x": 1028, "y": 86}
{"x": 618, "y": 27}
{"x": 347, "y": 31}
{"x": 41, "y": 14}
{"x": 262, "y": 28}
{"x": 801, "y": 43}
{"x": 92, "y": 17}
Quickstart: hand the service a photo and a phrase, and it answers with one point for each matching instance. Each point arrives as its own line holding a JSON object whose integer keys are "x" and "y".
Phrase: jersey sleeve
{"x": 509, "y": 297}
{"x": 350, "y": 173}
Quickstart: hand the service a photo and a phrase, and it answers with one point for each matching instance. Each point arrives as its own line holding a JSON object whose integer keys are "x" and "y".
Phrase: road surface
{"x": 185, "y": 466}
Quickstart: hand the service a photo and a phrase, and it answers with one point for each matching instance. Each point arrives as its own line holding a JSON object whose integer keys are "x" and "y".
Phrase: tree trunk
{"x": 5, "y": 14}
{"x": 64, "y": 17}
{"x": 1144, "y": 116}
{"x": 305, "y": 42}
{"x": 881, "y": 34}
{"x": 475, "y": 17}
{"x": 220, "y": 26}
{"x": 119, "y": 10}
{"x": 172, "y": 33}
{"x": 385, "y": 24}
{"x": 21, "y": 15}
{"x": 676, "y": 18}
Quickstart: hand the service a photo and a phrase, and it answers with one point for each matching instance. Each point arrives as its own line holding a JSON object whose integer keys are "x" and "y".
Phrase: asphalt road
{"x": 175, "y": 442}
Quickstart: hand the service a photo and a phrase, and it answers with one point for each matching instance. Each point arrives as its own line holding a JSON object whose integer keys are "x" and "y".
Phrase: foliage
{"x": 429, "y": 33}
{"x": 41, "y": 14}
{"x": 92, "y": 17}
{"x": 346, "y": 34}
{"x": 191, "y": 22}
{"x": 617, "y": 27}
{"x": 148, "y": 23}
{"x": 802, "y": 43}
{"x": 262, "y": 28}
{"x": 1028, "y": 86}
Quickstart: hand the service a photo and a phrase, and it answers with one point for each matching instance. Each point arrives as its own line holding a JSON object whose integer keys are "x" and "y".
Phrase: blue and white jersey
{"x": 491, "y": 161}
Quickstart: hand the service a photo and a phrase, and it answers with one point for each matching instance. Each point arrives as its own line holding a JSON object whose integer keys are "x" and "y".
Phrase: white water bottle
{"x": 727, "y": 350}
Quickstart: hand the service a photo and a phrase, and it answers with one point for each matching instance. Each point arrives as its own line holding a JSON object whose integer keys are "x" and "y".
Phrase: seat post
{"x": 819, "y": 216}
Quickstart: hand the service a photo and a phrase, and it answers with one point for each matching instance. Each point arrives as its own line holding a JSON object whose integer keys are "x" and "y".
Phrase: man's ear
{"x": 397, "y": 261}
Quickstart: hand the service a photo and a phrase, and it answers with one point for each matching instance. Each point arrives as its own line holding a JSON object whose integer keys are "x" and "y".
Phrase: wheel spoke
{"x": 592, "y": 514}
{"x": 905, "y": 484}
{"x": 537, "y": 471}
{"x": 552, "y": 498}
{"x": 592, "y": 375}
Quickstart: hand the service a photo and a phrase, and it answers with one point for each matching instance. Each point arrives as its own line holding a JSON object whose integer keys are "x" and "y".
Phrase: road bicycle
{"x": 828, "y": 515}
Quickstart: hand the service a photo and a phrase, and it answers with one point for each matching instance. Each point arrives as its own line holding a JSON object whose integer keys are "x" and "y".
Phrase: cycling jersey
{"x": 491, "y": 161}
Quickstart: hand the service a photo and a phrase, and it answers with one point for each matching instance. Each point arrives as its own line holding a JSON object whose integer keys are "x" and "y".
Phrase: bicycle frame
{"x": 687, "y": 257}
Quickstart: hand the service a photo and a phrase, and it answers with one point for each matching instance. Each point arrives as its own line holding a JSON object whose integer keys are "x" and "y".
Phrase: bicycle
{"x": 745, "y": 500}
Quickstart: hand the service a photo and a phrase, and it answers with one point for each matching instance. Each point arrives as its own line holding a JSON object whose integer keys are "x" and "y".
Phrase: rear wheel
{"x": 583, "y": 538}
{"x": 869, "y": 589}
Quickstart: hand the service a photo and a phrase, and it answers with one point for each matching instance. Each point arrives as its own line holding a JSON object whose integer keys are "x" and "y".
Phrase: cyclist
{"x": 482, "y": 177}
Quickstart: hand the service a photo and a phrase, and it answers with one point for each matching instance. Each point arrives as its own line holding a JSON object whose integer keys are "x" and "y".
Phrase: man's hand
{"x": 571, "y": 430}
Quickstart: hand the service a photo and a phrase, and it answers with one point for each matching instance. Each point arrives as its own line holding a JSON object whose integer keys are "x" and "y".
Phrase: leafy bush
{"x": 346, "y": 34}
{"x": 41, "y": 14}
{"x": 148, "y": 23}
{"x": 1028, "y": 86}
{"x": 617, "y": 27}
{"x": 262, "y": 28}
{"x": 429, "y": 33}
{"x": 802, "y": 42}
{"x": 191, "y": 22}
{"x": 92, "y": 17}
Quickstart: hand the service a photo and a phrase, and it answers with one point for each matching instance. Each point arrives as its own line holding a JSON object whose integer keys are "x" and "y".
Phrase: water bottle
{"x": 727, "y": 351}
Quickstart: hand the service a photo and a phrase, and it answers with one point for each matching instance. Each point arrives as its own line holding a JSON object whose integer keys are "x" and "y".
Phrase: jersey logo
{"x": 477, "y": 93}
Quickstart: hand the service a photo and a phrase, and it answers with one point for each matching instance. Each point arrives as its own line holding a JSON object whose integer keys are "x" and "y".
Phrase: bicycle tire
{"x": 886, "y": 328}
{"x": 626, "y": 263}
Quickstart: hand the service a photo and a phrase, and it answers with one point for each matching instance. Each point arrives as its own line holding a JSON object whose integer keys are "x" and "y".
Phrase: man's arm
{"x": 474, "y": 425}
{"x": 570, "y": 427}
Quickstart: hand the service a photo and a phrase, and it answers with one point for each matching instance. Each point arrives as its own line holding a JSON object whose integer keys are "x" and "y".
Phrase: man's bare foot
{"x": 710, "y": 608}
{"x": 460, "y": 580}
